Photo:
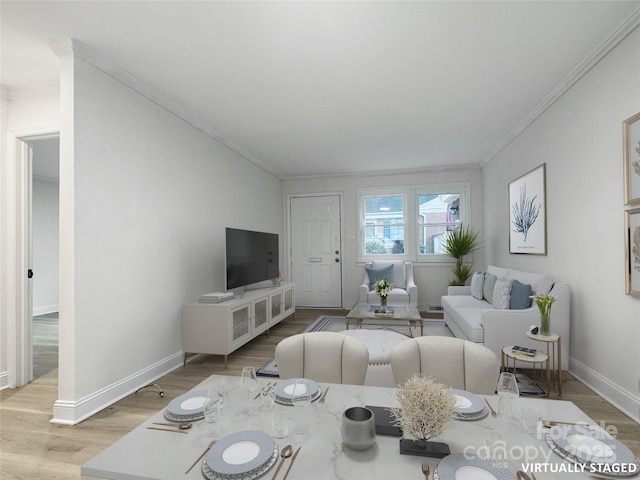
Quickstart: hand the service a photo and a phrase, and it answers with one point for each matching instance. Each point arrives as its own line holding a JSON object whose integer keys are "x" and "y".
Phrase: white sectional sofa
{"x": 480, "y": 321}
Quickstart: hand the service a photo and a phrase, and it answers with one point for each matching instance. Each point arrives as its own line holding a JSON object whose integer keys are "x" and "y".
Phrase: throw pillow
{"x": 380, "y": 274}
{"x": 520, "y": 296}
{"x": 477, "y": 282}
{"x": 502, "y": 293}
{"x": 487, "y": 288}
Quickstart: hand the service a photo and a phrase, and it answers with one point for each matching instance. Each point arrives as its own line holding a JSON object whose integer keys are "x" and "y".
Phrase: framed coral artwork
{"x": 632, "y": 249}
{"x": 631, "y": 138}
{"x": 528, "y": 213}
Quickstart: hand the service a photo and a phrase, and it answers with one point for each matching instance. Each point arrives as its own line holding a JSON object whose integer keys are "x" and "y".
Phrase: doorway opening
{"x": 45, "y": 212}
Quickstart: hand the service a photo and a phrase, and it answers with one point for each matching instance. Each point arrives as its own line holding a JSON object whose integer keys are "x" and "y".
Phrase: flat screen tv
{"x": 251, "y": 257}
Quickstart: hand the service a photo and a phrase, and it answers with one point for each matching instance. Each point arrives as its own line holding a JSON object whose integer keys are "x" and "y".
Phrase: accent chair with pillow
{"x": 400, "y": 273}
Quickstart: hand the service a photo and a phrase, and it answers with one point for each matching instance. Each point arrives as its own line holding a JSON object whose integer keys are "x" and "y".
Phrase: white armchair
{"x": 404, "y": 288}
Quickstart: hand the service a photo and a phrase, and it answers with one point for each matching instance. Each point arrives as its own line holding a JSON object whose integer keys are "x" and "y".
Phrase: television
{"x": 251, "y": 257}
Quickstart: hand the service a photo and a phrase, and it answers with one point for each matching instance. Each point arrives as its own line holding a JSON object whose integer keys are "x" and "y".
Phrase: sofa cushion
{"x": 487, "y": 288}
{"x": 397, "y": 295}
{"x": 502, "y": 293}
{"x": 376, "y": 274}
{"x": 466, "y": 312}
{"x": 540, "y": 283}
{"x": 498, "y": 271}
{"x": 477, "y": 283}
{"x": 520, "y": 294}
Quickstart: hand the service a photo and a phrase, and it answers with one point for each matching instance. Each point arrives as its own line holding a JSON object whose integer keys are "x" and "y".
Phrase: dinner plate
{"x": 285, "y": 388}
{"x": 189, "y": 406}
{"x": 460, "y": 466}
{"x": 589, "y": 445}
{"x": 241, "y": 454}
{"x": 473, "y": 416}
{"x": 468, "y": 403}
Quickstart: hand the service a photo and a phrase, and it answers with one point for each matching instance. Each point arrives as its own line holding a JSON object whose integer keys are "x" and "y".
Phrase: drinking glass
{"x": 249, "y": 382}
{"x": 301, "y": 398}
{"x": 267, "y": 398}
{"x": 216, "y": 399}
{"x": 508, "y": 408}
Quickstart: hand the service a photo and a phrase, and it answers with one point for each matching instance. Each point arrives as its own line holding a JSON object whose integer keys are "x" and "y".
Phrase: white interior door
{"x": 316, "y": 256}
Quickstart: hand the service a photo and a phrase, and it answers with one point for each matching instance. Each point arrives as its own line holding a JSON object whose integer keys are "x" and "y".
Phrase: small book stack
{"x": 216, "y": 297}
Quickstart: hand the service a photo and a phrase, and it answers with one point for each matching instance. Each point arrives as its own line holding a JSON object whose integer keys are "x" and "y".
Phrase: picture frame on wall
{"x": 631, "y": 147}
{"x": 632, "y": 251}
{"x": 528, "y": 213}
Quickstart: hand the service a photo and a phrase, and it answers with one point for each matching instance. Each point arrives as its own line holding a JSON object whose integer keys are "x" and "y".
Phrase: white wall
{"x": 45, "y": 245}
{"x": 150, "y": 197}
{"x": 580, "y": 139}
{"x": 433, "y": 278}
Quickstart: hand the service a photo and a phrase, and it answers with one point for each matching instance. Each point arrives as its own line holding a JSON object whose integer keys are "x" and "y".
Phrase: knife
{"x": 293, "y": 459}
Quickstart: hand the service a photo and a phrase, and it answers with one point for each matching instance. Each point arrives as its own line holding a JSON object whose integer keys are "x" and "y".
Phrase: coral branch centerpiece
{"x": 426, "y": 408}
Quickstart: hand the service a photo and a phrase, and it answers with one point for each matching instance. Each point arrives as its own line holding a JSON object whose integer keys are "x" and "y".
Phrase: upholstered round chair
{"x": 324, "y": 357}
{"x": 451, "y": 361}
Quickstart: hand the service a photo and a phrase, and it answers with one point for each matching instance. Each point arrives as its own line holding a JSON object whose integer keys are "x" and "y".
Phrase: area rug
{"x": 326, "y": 323}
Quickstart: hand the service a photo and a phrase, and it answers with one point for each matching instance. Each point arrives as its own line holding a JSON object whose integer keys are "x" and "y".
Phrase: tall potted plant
{"x": 457, "y": 244}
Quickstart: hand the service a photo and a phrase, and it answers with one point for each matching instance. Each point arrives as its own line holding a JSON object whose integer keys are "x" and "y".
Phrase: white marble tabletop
{"x": 157, "y": 455}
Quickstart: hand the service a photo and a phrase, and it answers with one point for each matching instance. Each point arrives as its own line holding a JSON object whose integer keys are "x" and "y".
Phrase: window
{"x": 409, "y": 223}
{"x": 384, "y": 231}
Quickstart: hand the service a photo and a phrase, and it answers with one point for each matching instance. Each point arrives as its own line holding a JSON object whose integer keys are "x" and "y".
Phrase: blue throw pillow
{"x": 520, "y": 294}
{"x": 380, "y": 274}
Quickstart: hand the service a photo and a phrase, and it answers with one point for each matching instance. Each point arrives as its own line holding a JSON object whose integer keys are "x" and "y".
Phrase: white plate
{"x": 468, "y": 403}
{"x": 284, "y": 390}
{"x": 240, "y": 453}
{"x": 589, "y": 445}
{"x": 460, "y": 466}
{"x": 189, "y": 406}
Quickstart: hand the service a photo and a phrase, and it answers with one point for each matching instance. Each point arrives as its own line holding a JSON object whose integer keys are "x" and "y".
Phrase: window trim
{"x": 410, "y": 194}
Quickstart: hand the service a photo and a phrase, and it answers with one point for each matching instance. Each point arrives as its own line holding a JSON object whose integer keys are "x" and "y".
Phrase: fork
{"x": 426, "y": 470}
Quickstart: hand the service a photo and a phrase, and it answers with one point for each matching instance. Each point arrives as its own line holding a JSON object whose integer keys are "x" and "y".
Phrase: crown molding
{"x": 386, "y": 173}
{"x": 609, "y": 43}
{"x": 81, "y": 51}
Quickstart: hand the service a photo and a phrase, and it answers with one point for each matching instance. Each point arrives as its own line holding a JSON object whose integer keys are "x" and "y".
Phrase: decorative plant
{"x": 383, "y": 288}
{"x": 457, "y": 244}
{"x": 544, "y": 303}
{"x": 524, "y": 212}
{"x": 426, "y": 408}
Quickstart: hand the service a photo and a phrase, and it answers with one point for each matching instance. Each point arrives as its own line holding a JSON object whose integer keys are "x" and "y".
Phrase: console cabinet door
{"x": 240, "y": 325}
{"x": 289, "y": 305}
{"x": 261, "y": 315}
{"x": 276, "y": 307}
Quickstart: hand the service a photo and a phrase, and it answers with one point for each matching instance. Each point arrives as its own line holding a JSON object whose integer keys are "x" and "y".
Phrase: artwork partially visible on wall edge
{"x": 631, "y": 154}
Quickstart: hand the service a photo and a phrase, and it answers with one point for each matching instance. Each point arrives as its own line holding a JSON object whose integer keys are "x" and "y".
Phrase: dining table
{"x": 151, "y": 454}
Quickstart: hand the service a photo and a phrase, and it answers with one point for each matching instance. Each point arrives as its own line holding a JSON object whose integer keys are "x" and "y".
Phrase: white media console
{"x": 221, "y": 328}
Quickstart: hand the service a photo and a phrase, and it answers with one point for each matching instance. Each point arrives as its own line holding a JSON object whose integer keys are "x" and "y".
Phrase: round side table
{"x": 538, "y": 358}
{"x": 556, "y": 354}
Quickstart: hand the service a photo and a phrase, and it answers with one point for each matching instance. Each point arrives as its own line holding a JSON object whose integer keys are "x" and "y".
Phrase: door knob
{"x": 337, "y": 252}
{"x": 337, "y": 260}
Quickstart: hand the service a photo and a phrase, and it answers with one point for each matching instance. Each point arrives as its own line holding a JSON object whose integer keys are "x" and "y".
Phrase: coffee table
{"x": 364, "y": 312}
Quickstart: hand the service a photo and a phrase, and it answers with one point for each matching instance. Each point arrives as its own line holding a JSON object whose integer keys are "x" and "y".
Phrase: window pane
{"x": 384, "y": 225}
{"x": 437, "y": 214}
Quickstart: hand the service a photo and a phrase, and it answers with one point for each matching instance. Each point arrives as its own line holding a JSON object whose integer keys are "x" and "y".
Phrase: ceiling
{"x": 317, "y": 87}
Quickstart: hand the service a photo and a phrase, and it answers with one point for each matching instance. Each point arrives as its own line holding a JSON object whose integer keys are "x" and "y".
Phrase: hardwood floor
{"x": 33, "y": 448}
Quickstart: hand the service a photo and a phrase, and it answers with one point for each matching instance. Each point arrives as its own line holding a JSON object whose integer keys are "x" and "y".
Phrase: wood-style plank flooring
{"x": 33, "y": 448}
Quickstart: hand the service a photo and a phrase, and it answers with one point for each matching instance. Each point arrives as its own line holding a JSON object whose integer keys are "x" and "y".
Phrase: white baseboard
{"x": 623, "y": 400}
{"x": 45, "y": 309}
{"x": 4, "y": 380}
{"x": 71, "y": 412}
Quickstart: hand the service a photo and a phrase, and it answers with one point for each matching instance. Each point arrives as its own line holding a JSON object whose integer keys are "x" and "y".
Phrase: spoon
{"x": 285, "y": 453}
{"x": 179, "y": 426}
